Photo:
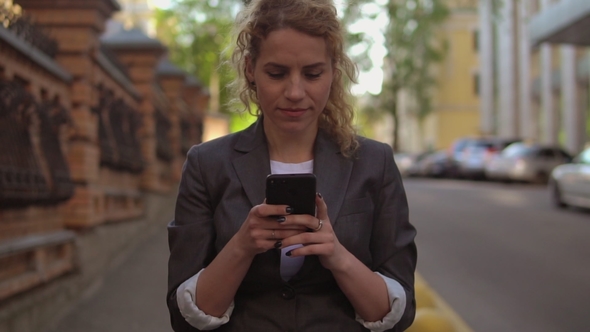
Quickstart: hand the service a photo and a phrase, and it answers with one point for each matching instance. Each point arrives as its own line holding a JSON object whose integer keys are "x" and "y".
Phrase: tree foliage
{"x": 197, "y": 32}
{"x": 413, "y": 48}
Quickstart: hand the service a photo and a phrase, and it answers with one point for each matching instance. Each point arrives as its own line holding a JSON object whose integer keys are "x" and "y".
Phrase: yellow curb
{"x": 432, "y": 310}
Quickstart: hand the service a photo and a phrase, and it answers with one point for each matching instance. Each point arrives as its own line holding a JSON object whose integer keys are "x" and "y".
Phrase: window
{"x": 476, "y": 40}
{"x": 476, "y": 84}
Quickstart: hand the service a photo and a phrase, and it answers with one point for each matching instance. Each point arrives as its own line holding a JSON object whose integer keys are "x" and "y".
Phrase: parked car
{"x": 478, "y": 153}
{"x": 570, "y": 183}
{"x": 456, "y": 153}
{"x": 458, "y": 147}
{"x": 404, "y": 160}
{"x": 526, "y": 162}
{"x": 437, "y": 164}
{"x": 415, "y": 168}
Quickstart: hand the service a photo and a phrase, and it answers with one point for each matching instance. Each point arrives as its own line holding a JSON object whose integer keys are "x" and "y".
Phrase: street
{"x": 501, "y": 256}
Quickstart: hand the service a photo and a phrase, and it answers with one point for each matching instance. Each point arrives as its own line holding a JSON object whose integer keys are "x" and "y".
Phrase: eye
{"x": 275, "y": 75}
{"x": 313, "y": 75}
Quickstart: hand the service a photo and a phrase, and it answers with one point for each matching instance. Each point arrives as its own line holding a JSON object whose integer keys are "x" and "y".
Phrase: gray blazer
{"x": 224, "y": 178}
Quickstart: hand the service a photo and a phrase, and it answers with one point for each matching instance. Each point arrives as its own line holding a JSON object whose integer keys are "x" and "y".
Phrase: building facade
{"x": 538, "y": 88}
{"x": 514, "y": 69}
{"x": 456, "y": 98}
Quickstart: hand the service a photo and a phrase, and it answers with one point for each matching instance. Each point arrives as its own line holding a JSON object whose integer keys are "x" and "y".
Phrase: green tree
{"x": 197, "y": 32}
{"x": 413, "y": 48}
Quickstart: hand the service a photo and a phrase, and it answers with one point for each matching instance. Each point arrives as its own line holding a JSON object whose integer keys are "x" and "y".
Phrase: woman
{"x": 238, "y": 264}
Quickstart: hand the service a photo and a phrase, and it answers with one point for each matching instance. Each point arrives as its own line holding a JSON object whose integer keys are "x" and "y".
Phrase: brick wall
{"x": 123, "y": 131}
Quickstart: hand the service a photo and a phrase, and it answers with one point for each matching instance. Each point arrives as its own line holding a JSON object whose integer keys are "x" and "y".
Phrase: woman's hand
{"x": 321, "y": 241}
{"x": 264, "y": 229}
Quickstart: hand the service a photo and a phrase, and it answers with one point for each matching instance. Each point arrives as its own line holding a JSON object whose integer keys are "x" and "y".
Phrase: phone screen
{"x": 296, "y": 190}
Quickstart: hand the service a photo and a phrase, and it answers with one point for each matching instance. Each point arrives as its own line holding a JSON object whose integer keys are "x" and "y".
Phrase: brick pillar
{"x": 141, "y": 55}
{"x": 193, "y": 93}
{"x": 203, "y": 102}
{"x": 172, "y": 81}
{"x": 77, "y": 25}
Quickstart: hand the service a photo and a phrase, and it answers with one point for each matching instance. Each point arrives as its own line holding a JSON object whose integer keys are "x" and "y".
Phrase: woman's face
{"x": 293, "y": 76}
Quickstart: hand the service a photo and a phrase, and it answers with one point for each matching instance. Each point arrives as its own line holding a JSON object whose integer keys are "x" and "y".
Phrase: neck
{"x": 286, "y": 148}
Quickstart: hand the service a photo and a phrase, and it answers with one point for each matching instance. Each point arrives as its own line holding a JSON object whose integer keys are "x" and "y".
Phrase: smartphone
{"x": 296, "y": 190}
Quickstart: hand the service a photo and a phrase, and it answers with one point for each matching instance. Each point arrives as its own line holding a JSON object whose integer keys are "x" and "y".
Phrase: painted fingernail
{"x": 288, "y": 253}
{"x": 320, "y": 195}
{"x": 289, "y": 209}
{"x": 278, "y": 244}
{"x": 281, "y": 219}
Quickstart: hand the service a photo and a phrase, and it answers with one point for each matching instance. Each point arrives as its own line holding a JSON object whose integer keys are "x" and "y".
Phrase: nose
{"x": 295, "y": 89}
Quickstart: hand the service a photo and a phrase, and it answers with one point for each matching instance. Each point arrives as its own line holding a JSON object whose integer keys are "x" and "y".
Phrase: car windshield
{"x": 516, "y": 150}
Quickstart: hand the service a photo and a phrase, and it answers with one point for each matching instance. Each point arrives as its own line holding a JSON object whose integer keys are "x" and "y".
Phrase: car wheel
{"x": 556, "y": 195}
{"x": 541, "y": 178}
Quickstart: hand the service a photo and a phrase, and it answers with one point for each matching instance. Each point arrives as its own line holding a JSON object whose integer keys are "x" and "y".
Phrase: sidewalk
{"x": 131, "y": 298}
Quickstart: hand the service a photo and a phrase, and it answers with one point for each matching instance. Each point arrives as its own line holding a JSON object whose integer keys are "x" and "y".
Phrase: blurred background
{"x": 484, "y": 102}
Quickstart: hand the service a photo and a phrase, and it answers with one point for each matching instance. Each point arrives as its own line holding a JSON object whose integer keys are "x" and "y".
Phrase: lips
{"x": 294, "y": 112}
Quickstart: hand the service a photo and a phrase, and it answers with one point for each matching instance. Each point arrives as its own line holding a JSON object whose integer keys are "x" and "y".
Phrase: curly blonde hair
{"x": 313, "y": 17}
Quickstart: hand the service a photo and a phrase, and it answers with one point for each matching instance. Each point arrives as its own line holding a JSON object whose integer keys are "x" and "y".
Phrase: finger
{"x": 297, "y": 221}
{"x": 269, "y": 210}
{"x": 314, "y": 249}
{"x": 322, "y": 209}
{"x": 308, "y": 238}
{"x": 281, "y": 234}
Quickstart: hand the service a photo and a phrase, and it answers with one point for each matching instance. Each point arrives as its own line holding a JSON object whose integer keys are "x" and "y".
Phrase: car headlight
{"x": 520, "y": 165}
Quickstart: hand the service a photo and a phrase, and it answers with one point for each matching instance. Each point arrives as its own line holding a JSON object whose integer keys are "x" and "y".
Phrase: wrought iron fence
{"x": 12, "y": 18}
{"x": 125, "y": 123}
{"x": 52, "y": 118}
{"x": 163, "y": 145}
{"x": 118, "y": 128}
{"x": 191, "y": 133}
{"x": 33, "y": 169}
{"x": 108, "y": 152}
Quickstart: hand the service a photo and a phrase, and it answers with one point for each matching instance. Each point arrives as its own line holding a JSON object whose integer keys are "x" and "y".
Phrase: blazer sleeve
{"x": 392, "y": 241}
{"x": 191, "y": 235}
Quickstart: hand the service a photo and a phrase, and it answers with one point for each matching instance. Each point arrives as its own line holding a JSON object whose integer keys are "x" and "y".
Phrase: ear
{"x": 249, "y": 69}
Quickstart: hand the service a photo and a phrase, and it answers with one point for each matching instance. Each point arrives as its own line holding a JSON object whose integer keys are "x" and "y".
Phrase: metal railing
{"x": 13, "y": 19}
{"x": 33, "y": 169}
{"x": 118, "y": 128}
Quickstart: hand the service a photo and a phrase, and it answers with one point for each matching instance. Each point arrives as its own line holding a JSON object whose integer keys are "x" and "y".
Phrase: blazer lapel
{"x": 333, "y": 171}
{"x": 253, "y": 166}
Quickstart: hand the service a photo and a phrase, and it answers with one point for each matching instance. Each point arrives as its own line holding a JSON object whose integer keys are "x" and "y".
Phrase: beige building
{"x": 515, "y": 68}
{"x": 456, "y": 98}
